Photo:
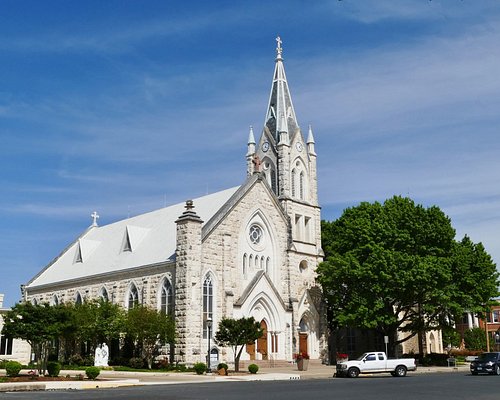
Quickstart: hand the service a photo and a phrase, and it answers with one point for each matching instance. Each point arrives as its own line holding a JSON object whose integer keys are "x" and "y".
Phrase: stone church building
{"x": 251, "y": 250}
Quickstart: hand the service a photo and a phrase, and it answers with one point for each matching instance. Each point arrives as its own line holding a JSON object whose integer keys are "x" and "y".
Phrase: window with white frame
{"x": 5, "y": 345}
{"x": 133, "y": 297}
{"x": 167, "y": 298}
{"x": 208, "y": 303}
{"x": 495, "y": 316}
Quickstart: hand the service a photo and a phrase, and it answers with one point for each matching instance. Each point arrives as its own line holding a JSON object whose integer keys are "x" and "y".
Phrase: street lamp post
{"x": 209, "y": 328}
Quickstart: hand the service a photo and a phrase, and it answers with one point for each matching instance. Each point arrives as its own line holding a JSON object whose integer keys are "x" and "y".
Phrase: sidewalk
{"x": 113, "y": 379}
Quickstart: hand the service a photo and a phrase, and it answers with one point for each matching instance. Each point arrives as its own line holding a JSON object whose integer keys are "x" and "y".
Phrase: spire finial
{"x": 95, "y": 217}
{"x": 251, "y": 137}
{"x": 279, "y": 49}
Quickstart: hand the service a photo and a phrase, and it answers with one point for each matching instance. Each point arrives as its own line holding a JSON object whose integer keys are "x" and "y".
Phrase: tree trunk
{"x": 237, "y": 358}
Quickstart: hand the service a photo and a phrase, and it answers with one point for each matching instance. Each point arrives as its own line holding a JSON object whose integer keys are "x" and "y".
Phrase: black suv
{"x": 487, "y": 363}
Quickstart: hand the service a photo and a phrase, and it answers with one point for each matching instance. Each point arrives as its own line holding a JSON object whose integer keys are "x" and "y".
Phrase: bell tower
{"x": 288, "y": 162}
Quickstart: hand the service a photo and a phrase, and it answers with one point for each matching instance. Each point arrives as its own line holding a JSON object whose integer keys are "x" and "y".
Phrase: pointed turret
{"x": 310, "y": 142}
{"x": 250, "y": 152}
{"x": 280, "y": 102}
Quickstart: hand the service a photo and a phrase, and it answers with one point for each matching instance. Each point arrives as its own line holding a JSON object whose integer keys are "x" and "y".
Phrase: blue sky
{"x": 125, "y": 106}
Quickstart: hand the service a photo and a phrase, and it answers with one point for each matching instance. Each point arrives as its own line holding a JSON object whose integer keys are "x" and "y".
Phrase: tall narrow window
{"x": 301, "y": 185}
{"x": 208, "y": 299}
{"x": 104, "y": 294}
{"x": 167, "y": 298}
{"x": 307, "y": 229}
{"x": 133, "y": 297}
{"x": 55, "y": 301}
{"x": 5, "y": 345}
{"x": 244, "y": 264}
{"x": 78, "y": 299}
{"x": 273, "y": 182}
{"x": 293, "y": 182}
{"x": 298, "y": 227}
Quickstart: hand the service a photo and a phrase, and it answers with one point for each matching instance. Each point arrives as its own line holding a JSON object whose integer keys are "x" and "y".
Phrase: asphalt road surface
{"x": 437, "y": 386}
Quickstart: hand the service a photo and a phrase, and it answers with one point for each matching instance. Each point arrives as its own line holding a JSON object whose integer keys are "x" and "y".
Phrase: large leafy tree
{"x": 236, "y": 333}
{"x": 396, "y": 267}
{"x": 147, "y": 328}
{"x": 40, "y": 325}
{"x": 98, "y": 321}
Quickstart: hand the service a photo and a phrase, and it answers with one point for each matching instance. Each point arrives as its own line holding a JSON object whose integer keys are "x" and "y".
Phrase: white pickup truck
{"x": 373, "y": 363}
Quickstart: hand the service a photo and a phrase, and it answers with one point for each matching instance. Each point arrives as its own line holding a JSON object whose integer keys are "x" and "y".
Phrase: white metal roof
{"x": 152, "y": 239}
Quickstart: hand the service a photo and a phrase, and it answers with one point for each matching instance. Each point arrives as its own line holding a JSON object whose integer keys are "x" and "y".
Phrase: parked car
{"x": 373, "y": 363}
{"x": 486, "y": 363}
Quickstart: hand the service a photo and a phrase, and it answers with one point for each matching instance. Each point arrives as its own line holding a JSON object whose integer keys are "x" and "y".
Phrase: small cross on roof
{"x": 95, "y": 217}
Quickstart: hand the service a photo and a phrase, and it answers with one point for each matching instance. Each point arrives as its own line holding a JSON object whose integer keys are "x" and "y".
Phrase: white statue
{"x": 97, "y": 356}
{"x": 104, "y": 355}
{"x": 101, "y": 355}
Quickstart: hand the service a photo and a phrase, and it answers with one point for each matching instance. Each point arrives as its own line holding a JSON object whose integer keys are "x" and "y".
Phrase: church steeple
{"x": 280, "y": 116}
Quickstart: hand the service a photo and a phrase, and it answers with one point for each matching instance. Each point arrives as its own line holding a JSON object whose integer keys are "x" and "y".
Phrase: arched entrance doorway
{"x": 262, "y": 341}
{"x": 303, "y": 336}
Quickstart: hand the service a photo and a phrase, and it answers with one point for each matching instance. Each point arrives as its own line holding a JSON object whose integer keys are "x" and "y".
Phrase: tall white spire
{"x": 280, "y": 115}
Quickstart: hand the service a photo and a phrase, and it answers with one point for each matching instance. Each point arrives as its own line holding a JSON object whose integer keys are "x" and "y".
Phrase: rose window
{"x": 255, "y": 234}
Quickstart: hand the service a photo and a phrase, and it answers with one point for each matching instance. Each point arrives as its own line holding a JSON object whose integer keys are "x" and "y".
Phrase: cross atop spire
{"x": 279, "y": 49}
{"x": 280, "y": 115}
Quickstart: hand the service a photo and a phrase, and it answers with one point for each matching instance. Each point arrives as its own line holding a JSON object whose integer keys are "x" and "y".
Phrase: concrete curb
{"x": 114, "y": 379}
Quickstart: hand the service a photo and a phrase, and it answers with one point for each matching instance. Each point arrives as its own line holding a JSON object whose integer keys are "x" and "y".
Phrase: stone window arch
{"x": 132, "y": 297}
{"x": 208, "y": 303}
{"x": 298, "y": 180}
{"x": 245, "y": 257}
{"x": 78, "y": 299}
{"x": 167, "y": 297}
{"x": 270, "y": 173}
{"x": 103, "y": 294}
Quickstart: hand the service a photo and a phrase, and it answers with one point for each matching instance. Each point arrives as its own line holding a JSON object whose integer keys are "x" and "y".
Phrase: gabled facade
{"x": 246, "y": 251}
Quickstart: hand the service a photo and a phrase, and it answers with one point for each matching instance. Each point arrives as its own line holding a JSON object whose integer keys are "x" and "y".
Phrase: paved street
{"x": 429, "y": 386}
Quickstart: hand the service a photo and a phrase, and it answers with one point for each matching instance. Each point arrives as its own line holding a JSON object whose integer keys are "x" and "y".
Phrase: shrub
{"x": 222, "y": 365}
{"x": 53, "y": 368}
{"x": 92, "y": 372}
{"x": 12, "y": 368}
{"x": 136, "y": 362}
{"x": 222, "y": 368}
{"x": 76, "y": 359}
{"x": 253, "y": 368}
{"x": 3, "y": 363}
{"x": 200, "y": 368}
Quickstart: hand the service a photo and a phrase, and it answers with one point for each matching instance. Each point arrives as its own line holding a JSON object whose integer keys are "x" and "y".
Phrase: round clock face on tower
{"x": 265, "y": 146}
{"x": 299, "y": 146}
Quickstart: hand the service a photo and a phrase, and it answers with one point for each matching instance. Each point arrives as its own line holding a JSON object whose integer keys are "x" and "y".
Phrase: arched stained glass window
{"x": 167, "y": 298}
{"x": 133, "y": 297}
{"x": 208, "y": 303}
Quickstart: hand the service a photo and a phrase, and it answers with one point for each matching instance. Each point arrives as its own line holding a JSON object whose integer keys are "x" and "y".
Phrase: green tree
{"x": 475, "y": 278}
{"x": 393, "y": 267}
{"x": 475, "y": 339}
{"x": 236, "y": 333}
{"x": 40, "y": 325}
{"x": 148, "y": 328}
{"x": 98, "y": 321}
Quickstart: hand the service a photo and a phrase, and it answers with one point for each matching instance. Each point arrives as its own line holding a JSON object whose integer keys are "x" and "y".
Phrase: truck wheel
{"x": 400, "y": 371}
{"x": 353, "y": 372}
